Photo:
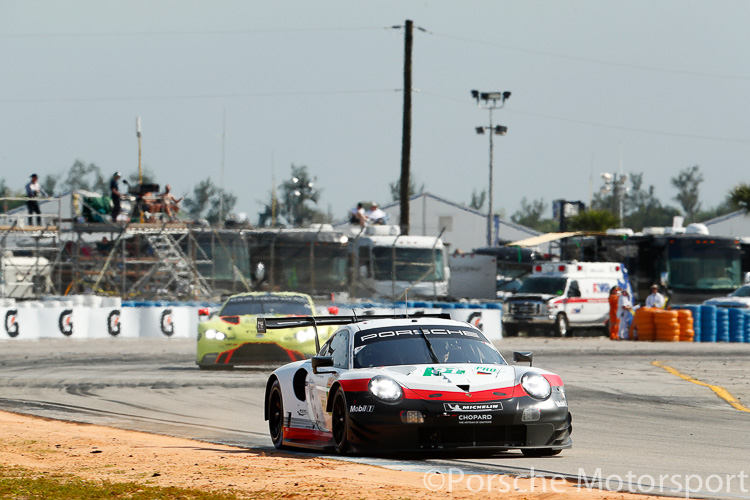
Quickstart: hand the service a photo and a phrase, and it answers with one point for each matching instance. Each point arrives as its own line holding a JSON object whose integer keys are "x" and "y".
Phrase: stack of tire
{"x": 708, "y": 323}
{"x": 685, "y": 319}
{"x": 643, "y": 323}
{"x": 667, "y": 325}
{"x": 737, "y": 321}
{"x": 746, "y": 336}
{"x": 695, "y": 311}
{"x": 722, "y": 324}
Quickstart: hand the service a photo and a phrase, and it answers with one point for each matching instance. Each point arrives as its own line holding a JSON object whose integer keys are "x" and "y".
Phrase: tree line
{"x": 640, "y": 205}
{"x": 295, "y": 203}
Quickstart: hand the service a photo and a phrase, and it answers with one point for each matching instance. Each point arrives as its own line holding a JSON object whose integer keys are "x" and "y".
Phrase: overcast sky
{"x": 655, "y": 86}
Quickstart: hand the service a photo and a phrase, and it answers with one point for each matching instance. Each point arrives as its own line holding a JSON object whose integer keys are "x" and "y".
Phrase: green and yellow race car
{"x": 230, "y": 338}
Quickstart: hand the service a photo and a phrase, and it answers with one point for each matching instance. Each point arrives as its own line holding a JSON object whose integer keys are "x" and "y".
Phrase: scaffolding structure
{"x": 135, "y": 261}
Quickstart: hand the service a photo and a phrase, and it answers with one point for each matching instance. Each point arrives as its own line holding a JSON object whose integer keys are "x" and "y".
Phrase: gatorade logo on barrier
{"x": 65, "y": 322}
{"x": 113, "y": 323}
{"x": 11, "y": 325}
{"x": 475, "y": 319}
{"x": 167, "y": 323}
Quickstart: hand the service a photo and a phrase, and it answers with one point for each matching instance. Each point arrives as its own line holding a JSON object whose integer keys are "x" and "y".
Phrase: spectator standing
{"x": 171, "y": 204}
{"x": 614, "y": 299}
{"x": 655, "y": 299}
{"x": 625, "y": 315}
{"x": 114, "y": 192}
{"x": 34, "y": 190}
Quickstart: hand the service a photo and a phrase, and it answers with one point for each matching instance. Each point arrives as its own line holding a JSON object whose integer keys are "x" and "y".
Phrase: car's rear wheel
{"x": 541, "y": 452}
{"x": 562, "y": 327}
{"x": 276, "y": 415}
{"x": 340, "y": 422}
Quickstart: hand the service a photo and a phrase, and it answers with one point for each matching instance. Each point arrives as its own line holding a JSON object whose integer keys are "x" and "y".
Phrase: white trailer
{"x": 473, "y": 276}
{"x": 389, "y": 265}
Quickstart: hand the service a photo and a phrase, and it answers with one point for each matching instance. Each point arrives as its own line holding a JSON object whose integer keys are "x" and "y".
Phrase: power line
{"x": 194, "y": 96}
{"x": 601, "y": 125}
{"x": 589, "y": 59}
{"x": 190, "y": 33}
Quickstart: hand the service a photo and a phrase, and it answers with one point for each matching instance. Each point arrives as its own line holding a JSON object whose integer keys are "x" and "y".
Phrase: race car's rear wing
{"x": 315, "y": 321}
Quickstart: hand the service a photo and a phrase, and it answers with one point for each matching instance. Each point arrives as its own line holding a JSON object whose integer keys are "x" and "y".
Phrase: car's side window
{"x": 574, "y": 290}
{"x": 339, "y": 349}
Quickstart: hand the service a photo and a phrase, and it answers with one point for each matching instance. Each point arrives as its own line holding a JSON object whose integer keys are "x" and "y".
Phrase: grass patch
{"x": 19, "y": 483}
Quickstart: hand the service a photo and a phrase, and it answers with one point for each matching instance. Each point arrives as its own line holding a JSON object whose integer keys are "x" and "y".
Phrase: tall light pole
{"x": 616, "y": 183}
{"x": 491, "y": 101}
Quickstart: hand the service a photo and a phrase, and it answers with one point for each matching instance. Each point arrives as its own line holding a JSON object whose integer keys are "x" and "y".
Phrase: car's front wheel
{"x": 276, "y": 415}
{"x": 541, "y": 452}
{"x": 562, "y": 327}
{"x": 340, "y": 422}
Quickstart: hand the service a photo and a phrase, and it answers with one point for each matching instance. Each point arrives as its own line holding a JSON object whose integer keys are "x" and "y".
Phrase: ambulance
{"x": 561, "y": 296}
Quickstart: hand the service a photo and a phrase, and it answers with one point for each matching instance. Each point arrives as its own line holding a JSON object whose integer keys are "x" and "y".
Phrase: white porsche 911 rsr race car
{"x": 407, "y": 384}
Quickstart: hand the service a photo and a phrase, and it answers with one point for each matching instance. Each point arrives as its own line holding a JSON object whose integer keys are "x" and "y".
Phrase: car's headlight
{"x": 535, "y": 385}
{"x": 215, "y": 335}
{"x": 385, "y": 388}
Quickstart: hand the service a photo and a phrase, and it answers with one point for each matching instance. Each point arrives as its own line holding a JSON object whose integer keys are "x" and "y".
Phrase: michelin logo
{"x": 462, "y": 407}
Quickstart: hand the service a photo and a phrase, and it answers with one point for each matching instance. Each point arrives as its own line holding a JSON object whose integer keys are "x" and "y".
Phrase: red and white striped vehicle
{"x": 410, "y": 384}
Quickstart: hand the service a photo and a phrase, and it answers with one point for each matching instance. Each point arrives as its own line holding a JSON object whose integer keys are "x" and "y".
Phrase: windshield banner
{"x": 382, "y": 334}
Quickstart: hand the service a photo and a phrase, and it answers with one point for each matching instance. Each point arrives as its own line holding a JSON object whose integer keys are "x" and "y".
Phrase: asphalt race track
{"x": 633, "y": 421}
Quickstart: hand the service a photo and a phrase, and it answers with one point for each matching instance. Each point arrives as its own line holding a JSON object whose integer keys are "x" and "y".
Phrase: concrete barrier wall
{"x": 80, "y": 317}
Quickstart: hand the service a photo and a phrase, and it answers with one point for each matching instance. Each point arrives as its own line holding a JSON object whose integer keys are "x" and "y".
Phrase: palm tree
{"x": 739, "y": 196}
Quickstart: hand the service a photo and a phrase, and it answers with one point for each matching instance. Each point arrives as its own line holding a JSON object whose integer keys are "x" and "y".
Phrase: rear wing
{"x": 301, "y": 321}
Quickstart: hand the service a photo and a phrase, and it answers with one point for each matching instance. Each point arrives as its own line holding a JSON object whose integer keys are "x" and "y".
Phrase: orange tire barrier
{"x": 643, "y": 323}
{"x": 667, "y": 326}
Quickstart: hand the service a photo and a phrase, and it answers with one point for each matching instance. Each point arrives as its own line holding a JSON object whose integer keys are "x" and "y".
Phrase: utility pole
{"x": 406, "y": 130}
{"x": 221, "y": 177}
{"x": 138, "y": 134}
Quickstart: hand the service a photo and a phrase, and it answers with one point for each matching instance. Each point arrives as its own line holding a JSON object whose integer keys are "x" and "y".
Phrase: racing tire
{"x": 562, "y": 326}
{"x": 340, "y": 423}
{"x": 541, "y": 452}
{"x": 276, "y": 415}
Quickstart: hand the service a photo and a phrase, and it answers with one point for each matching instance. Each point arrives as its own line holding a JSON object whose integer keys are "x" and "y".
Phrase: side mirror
{"x": 522, "y": 356}
{"x": 319, "y": 362}
{"x": 363, "y": 271}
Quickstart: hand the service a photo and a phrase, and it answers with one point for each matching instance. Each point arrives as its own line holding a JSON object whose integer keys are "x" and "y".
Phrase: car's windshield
{"x": 743, "y": 291}
{"x": 266, "y": 304}
{"x": 406, "y": 346}
{"x": 543, "y": 285}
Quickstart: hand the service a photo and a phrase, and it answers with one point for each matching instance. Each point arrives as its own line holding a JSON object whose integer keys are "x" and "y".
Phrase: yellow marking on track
{"x": 720, "y": 391}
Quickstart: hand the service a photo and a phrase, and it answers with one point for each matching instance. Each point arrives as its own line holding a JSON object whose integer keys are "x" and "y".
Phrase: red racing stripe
{"x": 487, "y": 395}
{"x": 294, "y": 433}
